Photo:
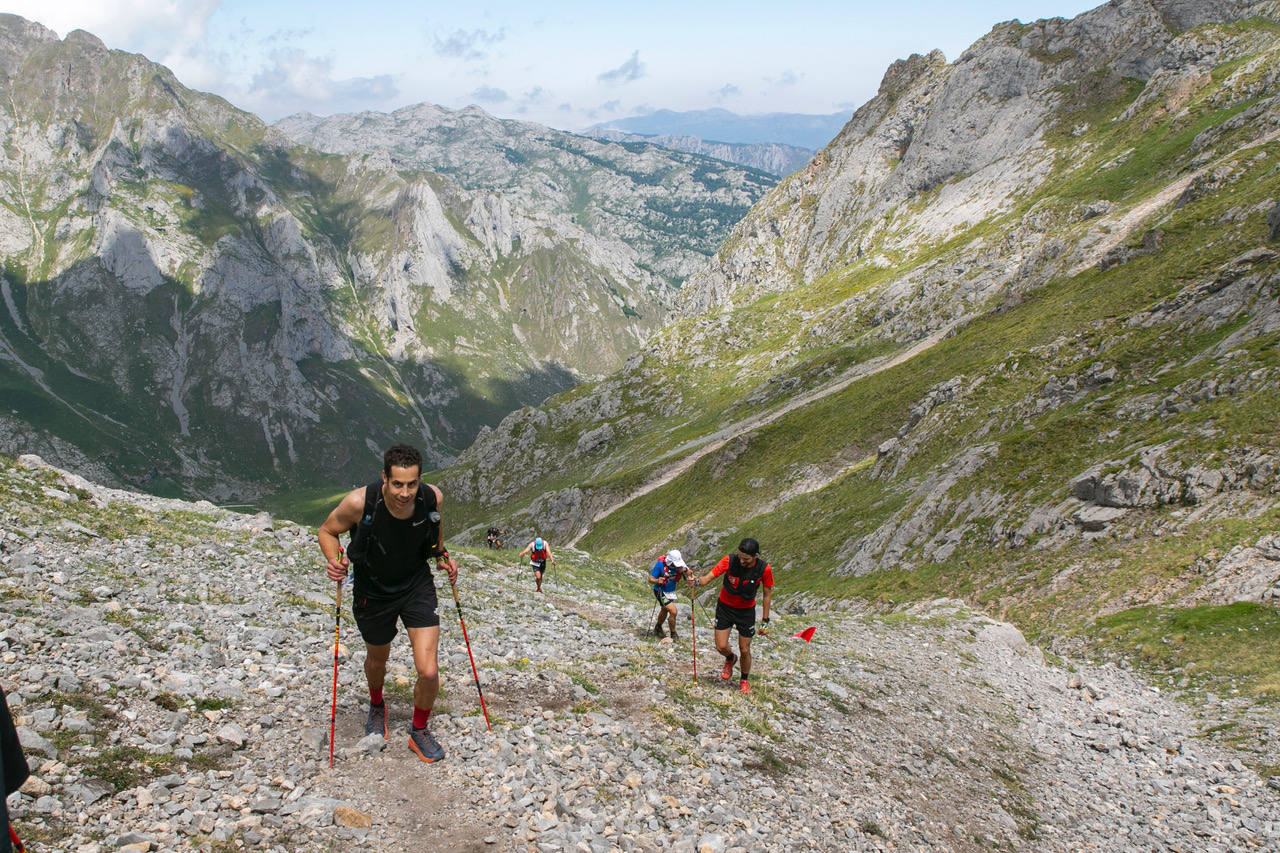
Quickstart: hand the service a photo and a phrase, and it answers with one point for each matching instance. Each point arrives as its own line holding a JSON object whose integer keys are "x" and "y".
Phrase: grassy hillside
{"x": 959, "y": 472}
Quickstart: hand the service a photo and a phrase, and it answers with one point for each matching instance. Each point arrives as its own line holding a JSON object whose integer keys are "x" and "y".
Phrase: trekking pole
{"x": 337, "y": 622}
{"x": 475, "y": 674}
{"x": 693, "y": 632}
{"x": 16, "y": 841}
{"x": 704, "y": 610}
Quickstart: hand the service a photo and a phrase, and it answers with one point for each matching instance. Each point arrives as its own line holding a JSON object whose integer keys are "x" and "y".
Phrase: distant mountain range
{"x": 193, "y": 302}
{"x": 772, "y": 157}
{"x": 663, "y": 209}
{"x": 801, "y": 130}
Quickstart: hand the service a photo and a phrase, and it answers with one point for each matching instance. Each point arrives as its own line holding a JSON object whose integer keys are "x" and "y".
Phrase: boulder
{"x": 345, "y": 815}
{"x": 1094, "y": 519}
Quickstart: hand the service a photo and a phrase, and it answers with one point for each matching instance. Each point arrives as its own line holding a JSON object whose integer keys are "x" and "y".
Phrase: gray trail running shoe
{"x": 377, "y": 720}
{"x": 421, "y": 742}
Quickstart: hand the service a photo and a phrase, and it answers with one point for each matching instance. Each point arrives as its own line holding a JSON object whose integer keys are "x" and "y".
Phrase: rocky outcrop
{"x": 1158, "y": 480}
{"x": 1245, "y": 573}
{"x": 935, "y": 521}
{"x": 945, "y": 145}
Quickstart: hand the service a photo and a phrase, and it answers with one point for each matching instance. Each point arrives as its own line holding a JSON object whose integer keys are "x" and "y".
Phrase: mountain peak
{"x": 900, "y": 74}
{"x": 87, "y": 41}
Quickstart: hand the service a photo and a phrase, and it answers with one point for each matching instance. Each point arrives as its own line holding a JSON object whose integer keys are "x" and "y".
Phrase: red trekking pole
{"x": 337, "y": 621}
{"x": 474, "y": 673}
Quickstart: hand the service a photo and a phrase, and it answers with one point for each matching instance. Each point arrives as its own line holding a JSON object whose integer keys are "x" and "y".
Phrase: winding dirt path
{"x": 699, "y": 448}
{"x": 1126, "y": 223}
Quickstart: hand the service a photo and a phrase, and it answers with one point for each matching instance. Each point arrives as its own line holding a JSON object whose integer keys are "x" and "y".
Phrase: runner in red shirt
{"x": 539, "y": 552}
{"x": 744, "y": 573}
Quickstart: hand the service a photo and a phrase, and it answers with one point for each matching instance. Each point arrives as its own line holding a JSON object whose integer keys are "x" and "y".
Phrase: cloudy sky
{"x": 565, "y": 64}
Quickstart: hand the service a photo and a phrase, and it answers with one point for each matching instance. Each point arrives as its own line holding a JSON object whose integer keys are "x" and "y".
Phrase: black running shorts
{"x": 376, "y": 617}
{"x": 742, "y": 618}
{"x": 664, "y": 598}
{"x": 539, "y": 566}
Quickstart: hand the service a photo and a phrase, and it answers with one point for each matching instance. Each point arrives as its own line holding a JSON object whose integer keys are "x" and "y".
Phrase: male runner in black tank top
{"x": 393, "y": 581}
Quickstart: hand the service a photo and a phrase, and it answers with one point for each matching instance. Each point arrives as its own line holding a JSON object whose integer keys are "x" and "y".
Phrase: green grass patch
{"x": 676, "y": 721}
{"x": 125, "y": 767}
{"x": 766, "y": 761}
{"x": 1235, "y": 647}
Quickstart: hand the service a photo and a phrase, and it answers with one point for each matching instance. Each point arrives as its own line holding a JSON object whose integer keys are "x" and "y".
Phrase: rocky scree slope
{"x": 1026, "y": 354}
{"x": 664, "y": 210}
{"x": 169, "y": 666}
{"x": 211, "y": 307}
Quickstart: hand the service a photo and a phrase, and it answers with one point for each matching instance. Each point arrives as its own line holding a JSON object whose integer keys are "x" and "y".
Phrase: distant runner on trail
{"x": 539, "y": 552}
{"x": 664, "y": 574}
{"x": 493, "y": 536}
{"x": 744, "y": 573}
{"x": 395, "y": 528}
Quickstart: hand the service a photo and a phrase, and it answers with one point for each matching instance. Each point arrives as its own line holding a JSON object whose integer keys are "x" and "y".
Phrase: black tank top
{"x": 393, "y": 552}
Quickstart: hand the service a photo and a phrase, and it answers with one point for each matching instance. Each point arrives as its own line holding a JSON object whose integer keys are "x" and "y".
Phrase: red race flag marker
{"x": 806, "y": 634}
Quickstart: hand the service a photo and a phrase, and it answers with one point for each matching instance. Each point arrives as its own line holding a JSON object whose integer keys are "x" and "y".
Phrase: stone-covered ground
{"x": 170, "y": 668}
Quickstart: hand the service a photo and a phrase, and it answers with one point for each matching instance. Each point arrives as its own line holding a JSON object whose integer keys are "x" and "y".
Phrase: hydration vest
{"x": 389, "y": 550}
{"x": 744, "y": 582}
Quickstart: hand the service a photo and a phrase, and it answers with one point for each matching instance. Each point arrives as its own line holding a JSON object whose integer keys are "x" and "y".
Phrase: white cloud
{"x": 727, "y": 91}
{"x": 466, "y": 45}
{"x": 533, "y": 98}
{"x": 490, "y": 95}
{"x": 536, "y": 95}
{"x": 163, "y": 30}
{"x": 632, "y": 69}
{"x": 295, "y": 81}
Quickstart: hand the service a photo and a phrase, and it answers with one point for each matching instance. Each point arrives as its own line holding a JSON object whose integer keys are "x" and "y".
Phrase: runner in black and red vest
{"x": 744, "y": 573}
{"x": 539, "y": 552}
